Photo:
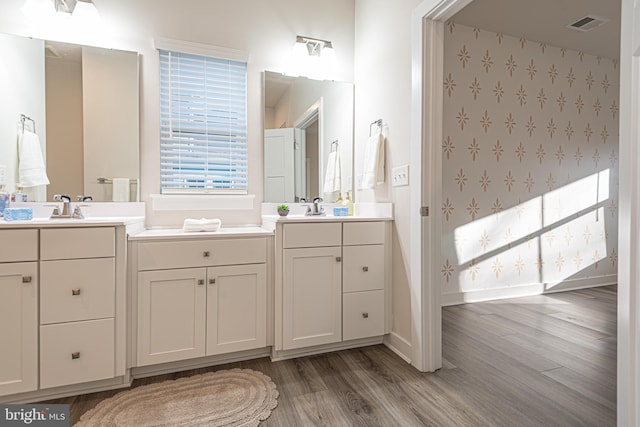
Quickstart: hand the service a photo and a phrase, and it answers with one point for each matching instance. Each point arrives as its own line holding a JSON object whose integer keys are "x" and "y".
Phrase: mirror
{"x": 305, "y": 121}
{"x": 84, "y": 105}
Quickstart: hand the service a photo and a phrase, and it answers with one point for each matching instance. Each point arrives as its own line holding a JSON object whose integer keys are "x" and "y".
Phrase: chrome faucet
{"x": 66, "y": 208}
{"x": 315, "y": 208}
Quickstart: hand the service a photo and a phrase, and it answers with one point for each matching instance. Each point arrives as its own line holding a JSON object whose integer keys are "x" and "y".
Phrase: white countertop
{"x": 322, "y": 218}
{"x": 67, "y": 222}
{"x": 175, "y": 233}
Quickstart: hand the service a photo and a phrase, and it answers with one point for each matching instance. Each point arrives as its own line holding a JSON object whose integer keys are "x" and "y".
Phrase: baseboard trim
{"x": 400, "y": 346}
{"x": 278, "y": 355}
{"x": 527, "y": 290}
{"x": 200, "y": 362}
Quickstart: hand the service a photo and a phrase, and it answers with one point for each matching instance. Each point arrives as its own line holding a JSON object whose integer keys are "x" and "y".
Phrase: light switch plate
{"x": 400, "y": 176}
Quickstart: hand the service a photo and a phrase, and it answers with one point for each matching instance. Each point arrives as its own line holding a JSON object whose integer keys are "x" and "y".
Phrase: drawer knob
{"x": 338, "y": 259}
{"x": 206, "y": 254}
{"x": 365, "y": 315}
{"x": 75, "y": 355}
{"x": 212, "y": 281}
{"x": 75, "y": 291}
{"x": 200, "y": 282}
{"x": 26, "y": 279}
{"x": 365, "y": 268}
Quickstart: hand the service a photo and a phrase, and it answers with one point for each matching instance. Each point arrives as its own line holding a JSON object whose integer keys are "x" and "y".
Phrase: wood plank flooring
{"x": 546, "y": 360}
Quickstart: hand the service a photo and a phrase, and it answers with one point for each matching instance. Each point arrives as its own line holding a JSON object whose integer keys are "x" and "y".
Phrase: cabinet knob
{"x": 365, "y": 268}
{"x": 200, "y": 282}
{"x": 365, "y": 315}
{"x": 75, "y": 291}
{"x": 26, "y": 279}
{"x": 75, "y": 355}
{"x": 212, "y": 281}
{"x": 338, "y": 259}
{"x": 206, "y": 254}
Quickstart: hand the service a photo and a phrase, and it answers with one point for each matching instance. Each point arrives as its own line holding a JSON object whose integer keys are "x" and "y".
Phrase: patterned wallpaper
{"x": 530, "y": 164}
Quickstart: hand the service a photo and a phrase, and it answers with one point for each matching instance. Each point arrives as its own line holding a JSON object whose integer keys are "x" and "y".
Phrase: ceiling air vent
{"x": 587, "y": 23}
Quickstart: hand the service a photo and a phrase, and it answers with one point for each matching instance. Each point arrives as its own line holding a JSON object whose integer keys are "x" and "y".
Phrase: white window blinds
{"x": 203, "y": 124}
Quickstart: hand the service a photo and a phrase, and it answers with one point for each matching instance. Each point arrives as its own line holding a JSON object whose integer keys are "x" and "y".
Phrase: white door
{"x": 171, "y": 315}
{"x": 312, "y": 297}
{"x": 18, "y": 327}
{"x": 279, "y": 176}
{"x": 236, "y": 308}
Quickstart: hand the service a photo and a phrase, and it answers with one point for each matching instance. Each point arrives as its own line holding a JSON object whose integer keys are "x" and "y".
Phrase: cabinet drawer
{"x": 197, "y": 253}
{"x": 18, "y": 245}
{"x": 362, "y": 315}
{"x": 77, "y": 352}
{"x": 73, "y": 290}
{"x": 69, "y": 243}
{"x": 363, "y": 268}
{"x": 312, "y": 235}
{"x": 363, "y": 233}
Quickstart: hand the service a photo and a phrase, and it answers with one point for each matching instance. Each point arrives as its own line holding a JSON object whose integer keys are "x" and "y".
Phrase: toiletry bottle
{"x": 5, "y": 198}
{"x": 339, "y": 201}
{"x": 348, "y": 204}
{"x": 18, "y": 195}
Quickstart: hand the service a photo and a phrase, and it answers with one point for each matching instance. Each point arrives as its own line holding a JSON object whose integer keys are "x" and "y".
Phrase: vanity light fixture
{"x": 314, "y": 47}
{"x": 75, "y": 7}
{"x": 313, "y": 58}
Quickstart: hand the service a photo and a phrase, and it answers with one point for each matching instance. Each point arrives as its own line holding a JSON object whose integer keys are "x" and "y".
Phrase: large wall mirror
{"x": 84, "y": 106}
{"x": 308, "y": 138}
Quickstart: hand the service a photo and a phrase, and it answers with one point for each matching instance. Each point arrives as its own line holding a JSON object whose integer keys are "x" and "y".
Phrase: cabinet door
{"x": 312, "y": 297}
{"x": 171, "y": 315}
{"x": 236, "y": 308}
{"x": 18, "y": 327}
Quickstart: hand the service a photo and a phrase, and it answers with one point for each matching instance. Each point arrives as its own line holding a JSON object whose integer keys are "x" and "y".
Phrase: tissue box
{"x": 340, "y": 211}
{"x": 18, "y": 214}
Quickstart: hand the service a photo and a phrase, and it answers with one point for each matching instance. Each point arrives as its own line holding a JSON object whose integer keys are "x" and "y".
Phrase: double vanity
{"x": 88, "y": 305}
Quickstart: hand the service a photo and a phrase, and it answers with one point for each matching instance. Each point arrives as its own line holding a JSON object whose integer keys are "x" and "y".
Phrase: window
{"x": 203, "y": 124}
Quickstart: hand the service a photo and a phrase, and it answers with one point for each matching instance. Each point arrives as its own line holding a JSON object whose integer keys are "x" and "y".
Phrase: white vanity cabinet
{"x": 18, "y": 311}
{"x": 62, "y": 308}
{"x": 332, "y": 284}
{"x": 77, "y": 305}
{"x": 312, "y": 284}
{"x": 199, "y": 297}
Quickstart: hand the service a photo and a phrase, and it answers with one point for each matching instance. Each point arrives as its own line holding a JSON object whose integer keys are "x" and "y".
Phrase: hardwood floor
{"x": 545, "y": 360}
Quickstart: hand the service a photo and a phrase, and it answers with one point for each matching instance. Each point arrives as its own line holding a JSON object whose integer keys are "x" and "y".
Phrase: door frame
{"x": 427, "y": 45}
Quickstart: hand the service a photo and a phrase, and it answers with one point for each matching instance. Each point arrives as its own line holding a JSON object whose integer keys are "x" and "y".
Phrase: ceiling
{"x": 545, "y": 21}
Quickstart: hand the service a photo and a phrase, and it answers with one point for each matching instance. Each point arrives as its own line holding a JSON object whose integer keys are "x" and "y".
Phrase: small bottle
{"x": 339, "y": 201}
{"x": 348, "y": 204}
{"x": 5, "y": 199}
{"x": 18, "y": 195}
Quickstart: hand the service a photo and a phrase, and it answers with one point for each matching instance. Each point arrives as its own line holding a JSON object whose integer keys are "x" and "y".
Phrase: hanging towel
{"x": 333, "y": 174}
{"x": 373, "y": 169}
{"x": 203, "y": 224}
{"x": 121, "y": 189}
{"x": 31, "y": 172}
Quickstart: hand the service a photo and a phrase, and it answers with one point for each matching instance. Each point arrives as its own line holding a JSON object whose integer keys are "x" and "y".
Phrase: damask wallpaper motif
{"x": 530, "y": 165}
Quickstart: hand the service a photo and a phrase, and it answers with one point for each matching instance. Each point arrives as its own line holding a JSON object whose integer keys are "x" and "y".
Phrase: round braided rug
{"x": 236, "y": 397}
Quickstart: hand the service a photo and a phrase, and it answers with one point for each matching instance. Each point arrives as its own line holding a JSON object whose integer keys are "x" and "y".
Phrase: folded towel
{"x": 373, "y": 170}
{"x": 202, "y": 224}
{"x": 333, "y": 174}
{"x": 121, "y": 189}
{"x": 31, "y": 170}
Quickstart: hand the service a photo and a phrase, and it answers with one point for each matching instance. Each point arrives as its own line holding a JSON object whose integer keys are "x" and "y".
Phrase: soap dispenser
{"x": 347, "y": 203}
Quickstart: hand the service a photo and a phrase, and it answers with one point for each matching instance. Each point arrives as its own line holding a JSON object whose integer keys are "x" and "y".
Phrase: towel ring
{"x": 377, "y": 123}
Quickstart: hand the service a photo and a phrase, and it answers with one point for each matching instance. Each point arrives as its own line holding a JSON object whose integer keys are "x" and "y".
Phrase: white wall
{"x": 383, "y": 91}
{"x": 266, "y": 30}
{"x": 22, "y": 89}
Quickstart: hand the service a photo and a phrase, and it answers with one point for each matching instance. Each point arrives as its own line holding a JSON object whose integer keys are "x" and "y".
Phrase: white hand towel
{"x": 203, "y": 224}
{"x": 333, "y": 174}
{"x": 31, "y": 172}
{"x": 373, "y": 169}
{"x": 121, "y": 189}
